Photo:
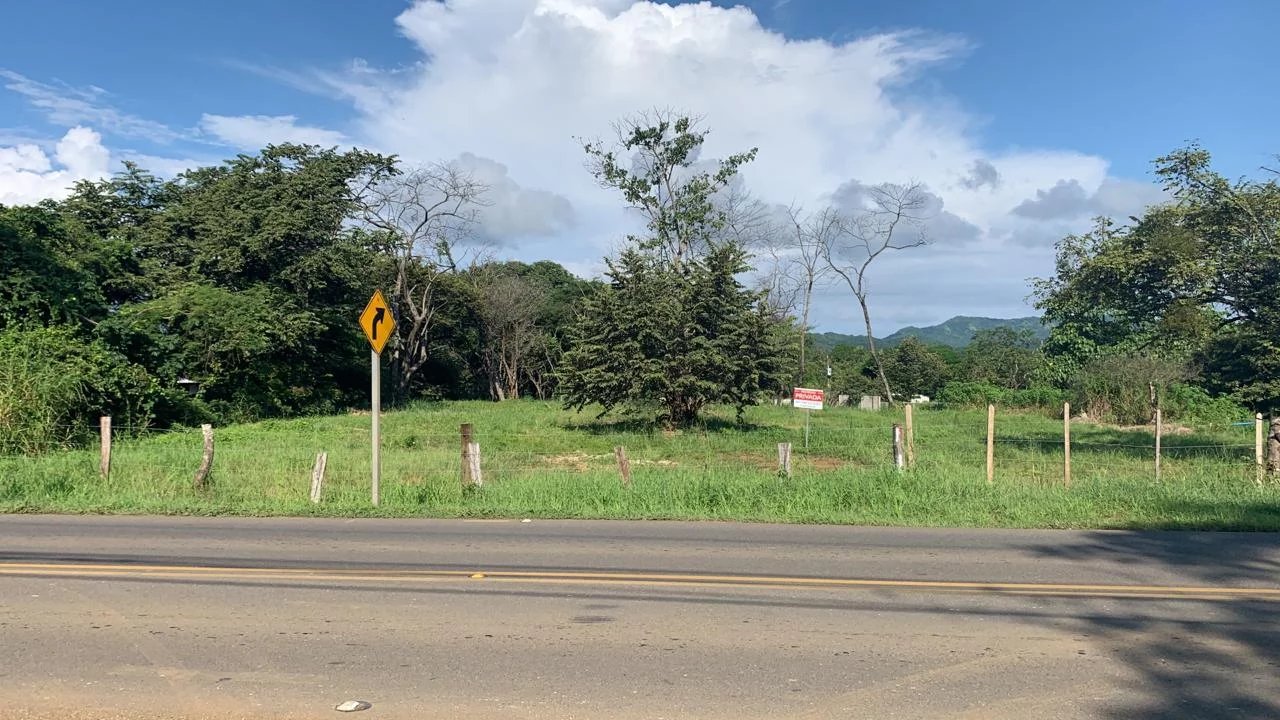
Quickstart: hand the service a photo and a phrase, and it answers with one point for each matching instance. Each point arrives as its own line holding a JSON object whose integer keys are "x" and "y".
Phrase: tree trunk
{"x": 804, "y": 326}
{"x": 871, "y": 345}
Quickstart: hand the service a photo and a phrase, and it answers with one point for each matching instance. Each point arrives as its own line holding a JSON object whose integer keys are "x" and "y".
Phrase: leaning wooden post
{"x": 206, "y": 461}
{"x": 909, "y": 427}
{"x": 317, "y": 476}
{"x": 899, "y": 461}
{"x": 991, "y": 444}
{"x": 1159, "y": 434}
{"x": 1257, "y": 448}
{"x": 468, "y": 438}
{"x": 784, "y": 459}
{"x": 104, "y": 439}
{"x": 624, "y": 465}
{"x": 1066, "y": 444}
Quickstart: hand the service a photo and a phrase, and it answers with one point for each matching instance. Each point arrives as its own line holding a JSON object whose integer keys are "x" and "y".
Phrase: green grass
{"x": 540, "y": 461}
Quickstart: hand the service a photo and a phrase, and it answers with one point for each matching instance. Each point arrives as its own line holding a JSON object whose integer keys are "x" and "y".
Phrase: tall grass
{"x": 540, "y": 461}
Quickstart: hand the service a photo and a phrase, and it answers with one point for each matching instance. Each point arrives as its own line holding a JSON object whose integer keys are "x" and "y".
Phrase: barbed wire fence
{"x": 252, "y": 465}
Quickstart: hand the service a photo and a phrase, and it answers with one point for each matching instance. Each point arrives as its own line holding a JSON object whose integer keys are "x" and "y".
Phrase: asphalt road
{"x": 203, "y": 618}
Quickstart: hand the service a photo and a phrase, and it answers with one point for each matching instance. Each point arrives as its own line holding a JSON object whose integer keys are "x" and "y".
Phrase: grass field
{"x": 540, "y": 461}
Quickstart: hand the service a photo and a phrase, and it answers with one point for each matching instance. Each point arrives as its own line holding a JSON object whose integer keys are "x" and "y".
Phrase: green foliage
{"x": 43, "y": 273}
{"x": 1192, "y": 405}
{"x": 53, "y": 384}
{"x": 1188, "y": 279}
{"x": 968, "y": 393}
{"x": 653, "y": 168}
{"x": 1003, "y": 357}
{"x": 1124, "y": 389}
{"x": 913, "y": 369}
{"x": 678, "y": 340}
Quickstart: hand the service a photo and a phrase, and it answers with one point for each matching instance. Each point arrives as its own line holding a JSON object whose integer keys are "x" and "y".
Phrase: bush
{"x": 54, "y": 385}
{"x": 1117, "y": 388}
{"x": 1193, "y": 405}
{"x": 978, "y": 394}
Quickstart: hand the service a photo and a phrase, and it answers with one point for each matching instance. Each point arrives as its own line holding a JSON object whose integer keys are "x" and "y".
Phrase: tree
{"x": 1186, "y": 280}
{"x": 800, "y": 257}
{"x": 679, "y": 341}
{"x": 913, "y": 369}
{"x": 1003, "y": 357}
{"x": 888, "y": 220}
{"x": 509, "y": 308}
{"x": 423, "y": 213}
{"x": 653, "y": 166}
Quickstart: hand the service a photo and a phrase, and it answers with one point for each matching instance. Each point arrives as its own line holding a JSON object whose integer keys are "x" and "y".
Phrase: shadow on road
{"x": 1222, "y": 663}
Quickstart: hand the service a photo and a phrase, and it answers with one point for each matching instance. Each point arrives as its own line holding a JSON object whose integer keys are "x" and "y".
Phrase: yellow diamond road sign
{"x": 377, "y": 321}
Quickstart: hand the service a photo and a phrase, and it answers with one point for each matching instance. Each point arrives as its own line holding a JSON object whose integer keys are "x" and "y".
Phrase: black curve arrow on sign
{"x": 377, "y": 320}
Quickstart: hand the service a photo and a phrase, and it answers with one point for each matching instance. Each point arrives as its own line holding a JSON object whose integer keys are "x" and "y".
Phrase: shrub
{"x": 1191, "y": 404}
{"x": 54, "y": 385}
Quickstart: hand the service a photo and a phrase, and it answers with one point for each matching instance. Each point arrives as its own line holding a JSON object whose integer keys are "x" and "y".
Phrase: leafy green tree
{"x": 653, "y": 166}
{"x": 1199, "y": 273}
{"x": 43, "y": 275}
{"x": 1003, "y": 357}
{"x": 675, "y": 328}
{"x": 913, "y": 369}
{"x": 678, "y": 341}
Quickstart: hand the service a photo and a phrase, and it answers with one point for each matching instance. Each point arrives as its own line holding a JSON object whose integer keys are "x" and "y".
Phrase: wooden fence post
{"x": 104, "y": 440}
{"x": 991, "y": 444}
{"x": 784, "y": 459}
{"x": 468, "y": 439}
{"x": 473, "y": 457}
{"x": 206, "y": 461}
{"x": 624, "y": 465}
{"x": 1066, "y": 444}
{"x": 1257, "y": 447}
{"x": 1159, "y": 434}
{"x": 317, "y": 476}
{"x": 1273, "y": 448}
{"x": 899, "y": 461}
{"x": 910, "y": 428}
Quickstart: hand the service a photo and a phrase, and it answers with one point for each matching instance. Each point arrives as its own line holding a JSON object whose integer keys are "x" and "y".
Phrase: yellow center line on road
{"x": 110, "y": 570}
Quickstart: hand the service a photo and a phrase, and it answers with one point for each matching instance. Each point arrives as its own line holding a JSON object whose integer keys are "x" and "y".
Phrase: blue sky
{"x": 1067, "y": 102}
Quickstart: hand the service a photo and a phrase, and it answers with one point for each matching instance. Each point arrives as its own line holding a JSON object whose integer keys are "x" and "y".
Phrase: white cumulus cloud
{"x": 519, "y": 80}
{"x": 253, "y": 132}
{"x": 29, "y": 174}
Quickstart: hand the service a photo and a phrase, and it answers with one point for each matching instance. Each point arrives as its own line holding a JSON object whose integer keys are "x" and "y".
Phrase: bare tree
{"x": 509, "y": 308}
{"x": 889, "y": 220}
{"x": 805, "y": 251}
{"x": 424, "y": 213}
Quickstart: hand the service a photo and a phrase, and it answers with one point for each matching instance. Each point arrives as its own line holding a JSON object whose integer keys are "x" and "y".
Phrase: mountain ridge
{"x": 955, "y": 332}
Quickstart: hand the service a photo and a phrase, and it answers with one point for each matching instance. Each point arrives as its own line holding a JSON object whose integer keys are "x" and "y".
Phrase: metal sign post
{"x": 379, "y": 325}
{"x": 810, "y": 400}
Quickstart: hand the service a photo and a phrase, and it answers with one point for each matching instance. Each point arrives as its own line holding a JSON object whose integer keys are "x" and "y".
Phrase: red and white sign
{"x": 806, "y": 399}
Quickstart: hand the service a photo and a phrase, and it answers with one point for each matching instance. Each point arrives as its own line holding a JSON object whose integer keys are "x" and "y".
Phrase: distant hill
{"x": 956, "y": 332}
